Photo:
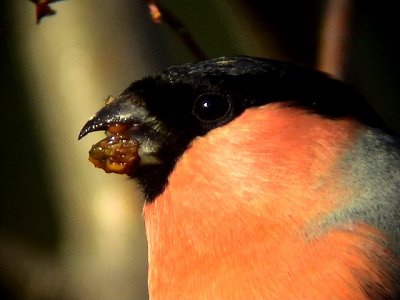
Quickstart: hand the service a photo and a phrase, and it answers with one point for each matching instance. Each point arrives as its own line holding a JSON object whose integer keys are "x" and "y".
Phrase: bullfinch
{"x": 261, "y": 180}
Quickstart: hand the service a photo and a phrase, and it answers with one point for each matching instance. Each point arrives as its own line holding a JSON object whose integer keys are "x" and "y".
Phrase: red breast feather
{"x": 256, "y": 209}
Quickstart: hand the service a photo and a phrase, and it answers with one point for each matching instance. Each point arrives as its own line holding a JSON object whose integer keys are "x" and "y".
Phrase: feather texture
{"x": 248, "y": 214}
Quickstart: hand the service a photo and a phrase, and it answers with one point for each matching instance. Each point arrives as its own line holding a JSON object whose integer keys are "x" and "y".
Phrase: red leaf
{"x": 43, "y": 9}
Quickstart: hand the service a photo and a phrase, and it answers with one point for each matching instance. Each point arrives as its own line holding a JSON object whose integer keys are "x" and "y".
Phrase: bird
{"x": 261, "y": 179}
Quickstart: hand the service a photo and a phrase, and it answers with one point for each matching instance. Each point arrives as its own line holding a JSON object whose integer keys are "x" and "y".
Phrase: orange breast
{"x": 241, "y": 215}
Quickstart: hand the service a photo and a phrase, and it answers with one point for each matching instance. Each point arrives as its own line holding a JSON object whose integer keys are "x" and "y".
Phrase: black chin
{"x": 152, "y": 178}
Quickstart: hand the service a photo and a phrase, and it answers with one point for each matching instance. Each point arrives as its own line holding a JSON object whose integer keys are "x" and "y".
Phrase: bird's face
{"x": 163, "y": 114}
{"x": 257, "y": 177}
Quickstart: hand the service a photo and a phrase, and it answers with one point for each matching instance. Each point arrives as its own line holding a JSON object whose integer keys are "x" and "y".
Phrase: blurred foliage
{"x": 25, "y": 206}
{"x": 285, "y": 29}
{"x": 26, "y": 210}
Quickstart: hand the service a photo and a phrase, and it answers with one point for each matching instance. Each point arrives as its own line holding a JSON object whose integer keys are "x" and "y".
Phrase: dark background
{"x": 283, "y": 29}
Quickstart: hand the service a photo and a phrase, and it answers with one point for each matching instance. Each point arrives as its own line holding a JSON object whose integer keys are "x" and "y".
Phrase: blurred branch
{"x": 161, "y": 14}
{"x": 333, "y": 39}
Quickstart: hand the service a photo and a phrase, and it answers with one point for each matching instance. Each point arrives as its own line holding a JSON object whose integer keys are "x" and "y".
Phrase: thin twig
{"x": 334, "y": 34}
{"x": 161, "y": 14}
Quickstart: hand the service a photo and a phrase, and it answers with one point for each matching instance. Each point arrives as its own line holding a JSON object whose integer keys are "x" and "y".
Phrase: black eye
{"x": 211, "y": 107}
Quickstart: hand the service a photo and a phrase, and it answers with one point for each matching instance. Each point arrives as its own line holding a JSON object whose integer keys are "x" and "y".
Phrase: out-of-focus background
{"x": 70, "y": 231}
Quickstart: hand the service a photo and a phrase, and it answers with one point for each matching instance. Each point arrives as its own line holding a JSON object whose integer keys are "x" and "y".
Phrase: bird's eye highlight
{"x": 211, "y": 107}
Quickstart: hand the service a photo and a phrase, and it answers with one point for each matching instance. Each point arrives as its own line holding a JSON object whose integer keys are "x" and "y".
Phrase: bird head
{"x": 261, "y": 178}
{"x": 165, "y": 112}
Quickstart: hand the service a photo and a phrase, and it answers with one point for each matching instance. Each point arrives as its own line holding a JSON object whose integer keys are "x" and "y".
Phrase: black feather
{"x": 242, "y": 82}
